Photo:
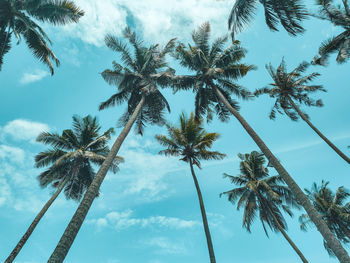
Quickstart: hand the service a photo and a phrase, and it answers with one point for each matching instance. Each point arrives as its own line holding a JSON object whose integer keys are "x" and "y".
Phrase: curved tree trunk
{"x": 36, "y": 220}
{"x": 284, "y": 233}
{"x": 296, "y": 249}
{"x": 335, "y": 148}
{"x": 78, "y": 218}
{"x": 204, "y": 217}
{"x": 302, "y": 199}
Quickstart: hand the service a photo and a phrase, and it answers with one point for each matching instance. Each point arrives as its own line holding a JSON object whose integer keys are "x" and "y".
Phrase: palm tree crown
{"x": 17, "y": 18}
{"x": 290, "y": 85}
{"x": 73, "y": 155}
{"x": 339, "y": 16}
{"x": 143, "y": 72}
{"x": 192, "y": 143}
{"x": 288, "y": 13}
{"x": 189, "y": 141}
{"x": 333, "y": 208}
{"x": 258, "y": 192}
{"x": 214, "y": 67}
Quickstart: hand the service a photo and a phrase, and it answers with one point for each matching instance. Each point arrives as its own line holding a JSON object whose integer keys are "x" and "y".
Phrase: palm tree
{"x": 340, "y": 17}
{"x": 216, "y": 69}
{"x": 288, "y": 13}
{"x": 258, "y": 192}
{"x": 291, "y": 88}
{"x": 335, "y": 212}
{"x": 191, "y": 142}
{"x": 70, "y": 163}
{"x": 18, "y": 18}
{"x": 137, "y": 83}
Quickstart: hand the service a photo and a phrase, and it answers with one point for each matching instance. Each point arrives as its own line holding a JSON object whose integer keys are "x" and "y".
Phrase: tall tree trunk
{"x": 204, "y": 217}
{"x": 32, "y": 226}
{"x": 335, "y": 148}
{"x": 284, "y": 233}
{"x": 78, "y": 218}
{"x": 302, "y": 199}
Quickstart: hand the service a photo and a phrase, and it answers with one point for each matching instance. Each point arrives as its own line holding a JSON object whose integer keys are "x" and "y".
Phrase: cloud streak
{"x": 30, "y": 77}
{"x": 124, "y": 220}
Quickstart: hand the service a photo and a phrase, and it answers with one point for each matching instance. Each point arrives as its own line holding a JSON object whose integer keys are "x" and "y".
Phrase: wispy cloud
{"x": 164, "y": 245}
{"x": 34, "y": 76}
{"x": 124, "y": 220}
{"x": 154, "y": 18}
{"x": 23, "y": 130}
{"x": 11, "y": 154}
{"x": 17, "y": 175}
{"x": 309, "y": 144}
{"x": 145, "y": 172}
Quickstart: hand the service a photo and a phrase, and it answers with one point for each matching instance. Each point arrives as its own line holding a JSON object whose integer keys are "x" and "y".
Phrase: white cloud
{"x": 124, "y": 220}
{"x": 178, "y": 17}
{"x": 23, "y": 129}
{"x": 11, "y": 154}
{"x": 17, "y": 183}
{"x": 166, "y": 246}
{"x": 101, "y": 17}
{"x": 144, "y": 171}
{"x": 154, "y": 18}
{"x": 34, "y": 76}
{"x": 5, "y": 192}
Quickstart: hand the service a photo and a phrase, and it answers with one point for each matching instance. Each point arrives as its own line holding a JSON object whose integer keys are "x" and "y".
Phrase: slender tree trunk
{"x": 335, "y": 148}
{"x": 77, "y": 220}
{"x": 284, "y": 233}
{"x": 292, "y": 243}
{"x": 32, "y": 226}
{"x": 204, "y": 217}
{"x": 302, "y": 199}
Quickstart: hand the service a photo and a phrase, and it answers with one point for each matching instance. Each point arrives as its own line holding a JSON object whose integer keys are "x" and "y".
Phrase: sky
{"x": 148, "y": 211}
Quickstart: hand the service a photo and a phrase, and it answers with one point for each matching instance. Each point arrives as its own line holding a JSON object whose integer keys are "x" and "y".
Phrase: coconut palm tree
{"x": 339, "y": 16}
{"x": 19, "y": 18}
{"x": 258, "y": 192}
{"x": 288, "y": 13}
{"x": 334, "y": 210}
{"x": 70, "y": 163}
{"x": 138, "y": 83}
{"x": 292, "y": 88}
{"x": 191, "y": 142}
{"x": 215, "y": 70}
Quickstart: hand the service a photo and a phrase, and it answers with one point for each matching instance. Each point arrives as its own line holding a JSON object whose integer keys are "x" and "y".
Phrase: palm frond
{"x": 241, "y": 15}
{"x": 40, "y": 48}
{"x": 57, "y": 12}
{"x": 5, "y": 44}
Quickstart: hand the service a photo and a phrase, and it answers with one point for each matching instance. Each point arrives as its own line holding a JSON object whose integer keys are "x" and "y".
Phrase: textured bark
{"x": 204, "y": 217}
{"x": 302, "y": 199}
{"x": 36, "y": 220}
{"x": 78, "y": 218}
{"x": 284, "y": 233}
{"x": 335, "y": 148}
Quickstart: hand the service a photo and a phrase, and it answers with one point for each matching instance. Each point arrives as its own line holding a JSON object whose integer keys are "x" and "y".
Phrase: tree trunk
{"x": 302, "y": 199}
{"x": 284, "y": 233}
{"x": 32, "y": 226}
{"x": 335, "y": 148}
{"x": 292, "y": 243}
{"x": 78, "y": 218}
{"x": 204, "y": 217}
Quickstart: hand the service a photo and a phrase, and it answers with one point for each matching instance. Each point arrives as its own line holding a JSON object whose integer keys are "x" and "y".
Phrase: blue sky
{"x": 149, "y": 210}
